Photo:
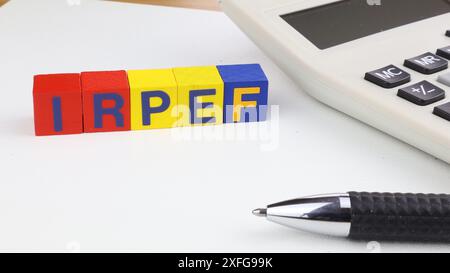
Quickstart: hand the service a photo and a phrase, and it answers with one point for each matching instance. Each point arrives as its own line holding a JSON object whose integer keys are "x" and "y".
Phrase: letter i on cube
{"x": 149, "y": 99}
{"x": 57, "y": 104}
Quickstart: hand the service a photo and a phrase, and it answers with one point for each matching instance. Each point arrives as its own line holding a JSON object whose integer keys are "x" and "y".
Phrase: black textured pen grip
{"x": 400, "y": 217}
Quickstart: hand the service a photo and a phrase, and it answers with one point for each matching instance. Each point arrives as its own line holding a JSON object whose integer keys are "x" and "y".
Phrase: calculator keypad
{"x": 388, "y": 77}
{"x": 427, "y": 63}
{"x": 422, "y": 93}
{"x": 444, "y": 52}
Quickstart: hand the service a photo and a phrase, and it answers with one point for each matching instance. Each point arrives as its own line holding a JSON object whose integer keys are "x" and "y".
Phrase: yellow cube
{"x": 153, "y": 99}
{"x": 200, "y": 95}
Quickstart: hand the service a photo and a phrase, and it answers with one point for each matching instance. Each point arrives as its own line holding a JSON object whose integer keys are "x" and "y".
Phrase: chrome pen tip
{"x": 260, "y": 212}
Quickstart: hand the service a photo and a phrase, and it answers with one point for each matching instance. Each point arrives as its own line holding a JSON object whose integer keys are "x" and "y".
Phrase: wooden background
{"x": 201, "y": 4}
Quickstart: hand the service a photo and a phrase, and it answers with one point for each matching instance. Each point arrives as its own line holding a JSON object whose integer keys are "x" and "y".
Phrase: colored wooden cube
{"x": 153, "y": 97}
{"x": 106, "y": 101}
{"x": 57, "y": 104}
{"x": 200, "y": 95}
{"x": 246, "y": 92}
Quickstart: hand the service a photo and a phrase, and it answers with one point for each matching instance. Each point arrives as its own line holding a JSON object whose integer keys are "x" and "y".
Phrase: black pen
{"x": 367, "y": 216}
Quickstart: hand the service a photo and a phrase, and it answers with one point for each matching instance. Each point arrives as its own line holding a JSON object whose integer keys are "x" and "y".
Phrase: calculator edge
{"x": 253, "y": 21}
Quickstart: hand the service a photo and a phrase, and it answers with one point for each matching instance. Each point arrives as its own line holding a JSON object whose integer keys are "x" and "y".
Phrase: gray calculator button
{"x": 444, "y": 52}
{"x": 388, "y": 77}
{"x": 422, "y": 93}
{"x": 427, "y": 63}
{"x": 444, "y": 79}
{"x": 443, "y": 111}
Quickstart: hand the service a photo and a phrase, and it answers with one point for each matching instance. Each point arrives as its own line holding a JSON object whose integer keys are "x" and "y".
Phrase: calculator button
{"x": 444, "y": 52}
{"x": 443, "y": 111}
{"x": 388, "y": 77}
{"x": 427, "y": 63}
{"x": 444, "y": 79}
{"x": 422, "y": 93}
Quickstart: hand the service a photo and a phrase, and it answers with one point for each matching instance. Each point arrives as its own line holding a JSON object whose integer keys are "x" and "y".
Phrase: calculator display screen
{"x": 344, "y": 21}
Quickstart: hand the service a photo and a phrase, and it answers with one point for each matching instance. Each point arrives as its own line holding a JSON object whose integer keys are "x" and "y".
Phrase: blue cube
{"x": 245, "y": 92}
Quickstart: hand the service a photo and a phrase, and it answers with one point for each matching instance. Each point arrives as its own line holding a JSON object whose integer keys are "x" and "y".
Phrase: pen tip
{"x": 260, "y": 212}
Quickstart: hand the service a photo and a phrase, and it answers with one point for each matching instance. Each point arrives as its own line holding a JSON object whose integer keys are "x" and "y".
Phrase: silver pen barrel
{"x": 368, "y": 215}
{"x": 327, "y": 214}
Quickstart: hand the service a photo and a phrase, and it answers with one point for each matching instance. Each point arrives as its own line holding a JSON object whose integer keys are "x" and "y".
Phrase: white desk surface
{"x": 153, "y": 190}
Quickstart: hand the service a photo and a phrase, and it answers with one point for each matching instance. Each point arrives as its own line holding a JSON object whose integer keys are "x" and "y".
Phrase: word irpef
{"x": 148, "y": 99}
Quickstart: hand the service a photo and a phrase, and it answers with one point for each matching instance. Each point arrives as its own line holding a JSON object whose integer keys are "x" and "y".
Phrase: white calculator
{"x": 384, "y": 62}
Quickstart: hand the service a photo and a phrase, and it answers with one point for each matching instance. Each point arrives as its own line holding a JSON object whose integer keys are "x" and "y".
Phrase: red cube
{"x": 58, "y": 106}
{"x": 106, "y": 101}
